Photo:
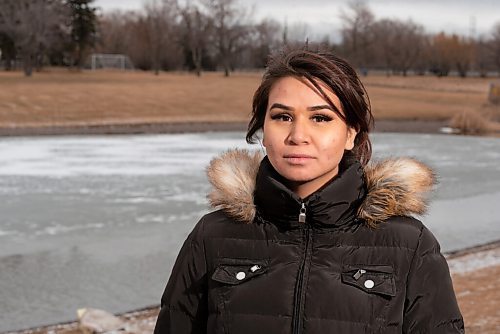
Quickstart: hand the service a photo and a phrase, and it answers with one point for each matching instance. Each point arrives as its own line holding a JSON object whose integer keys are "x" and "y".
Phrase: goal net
{"x": 110, "y": 61}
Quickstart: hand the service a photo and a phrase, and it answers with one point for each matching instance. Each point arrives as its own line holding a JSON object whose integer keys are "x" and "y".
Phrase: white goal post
{"x": 110, "y": 61}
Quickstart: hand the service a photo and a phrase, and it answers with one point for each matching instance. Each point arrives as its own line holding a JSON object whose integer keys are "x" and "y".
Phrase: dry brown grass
{"x": 470, "y": 123}
{"x": 478, "y": 293}
{"x": 115, "y": 97}
{"x": 484, "y": 120}
{"x": 427, "y": 98}
{"x": 58, "y": 97}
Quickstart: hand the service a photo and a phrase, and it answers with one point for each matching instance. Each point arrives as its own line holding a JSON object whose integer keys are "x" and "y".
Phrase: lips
{"x": 297, "y": 159}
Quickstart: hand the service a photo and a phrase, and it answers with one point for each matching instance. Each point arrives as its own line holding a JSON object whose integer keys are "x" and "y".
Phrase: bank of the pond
{"x": 476, "y": 280}
{"x": 384, "y": 125}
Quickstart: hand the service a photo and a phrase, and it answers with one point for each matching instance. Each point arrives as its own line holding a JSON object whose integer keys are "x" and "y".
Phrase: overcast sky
{"x": 322, "y": 16}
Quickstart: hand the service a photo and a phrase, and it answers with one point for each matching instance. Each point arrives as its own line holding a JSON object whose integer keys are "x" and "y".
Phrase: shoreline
{"x": 452, "y": 255}
{"x": 383, "y": 125}
{"x": 465, "y": 281}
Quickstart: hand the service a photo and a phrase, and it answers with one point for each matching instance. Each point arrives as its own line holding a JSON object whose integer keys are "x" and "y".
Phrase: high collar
{"x": 380, "y": 190}
{"x": 333, "y": 205}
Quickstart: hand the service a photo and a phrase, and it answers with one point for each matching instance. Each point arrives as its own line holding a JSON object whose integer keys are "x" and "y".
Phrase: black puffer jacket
{"x": 347, "y": 259}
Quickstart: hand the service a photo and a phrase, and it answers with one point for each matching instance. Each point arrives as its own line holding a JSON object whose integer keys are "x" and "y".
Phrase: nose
{"x": 298, "y": 132}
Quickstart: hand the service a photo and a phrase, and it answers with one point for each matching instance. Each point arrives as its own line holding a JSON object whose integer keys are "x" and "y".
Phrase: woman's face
{"x": 304, "y": 138}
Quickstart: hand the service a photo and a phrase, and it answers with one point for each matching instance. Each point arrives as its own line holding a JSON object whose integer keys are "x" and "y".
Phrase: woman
{"x": 311, "y": 239}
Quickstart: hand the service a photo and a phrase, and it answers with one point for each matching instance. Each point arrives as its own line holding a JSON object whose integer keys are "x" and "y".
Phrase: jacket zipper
{"x": 302, "y": 213}
{"x": 297, "y": 315}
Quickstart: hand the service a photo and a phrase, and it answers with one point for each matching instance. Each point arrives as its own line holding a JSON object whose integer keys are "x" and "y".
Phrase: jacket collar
{"x": 335, "y": 204}
{"x": 372, "y": 193}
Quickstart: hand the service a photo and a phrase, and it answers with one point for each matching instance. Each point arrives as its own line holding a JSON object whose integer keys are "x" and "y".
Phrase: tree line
{"x": 207, "y": 35}
{"x": 40, "y": 32}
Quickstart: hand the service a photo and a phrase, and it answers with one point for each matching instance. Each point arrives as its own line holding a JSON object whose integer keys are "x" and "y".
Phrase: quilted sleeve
{"x": 430, "y": 304}
{"x": 184, "y": 302}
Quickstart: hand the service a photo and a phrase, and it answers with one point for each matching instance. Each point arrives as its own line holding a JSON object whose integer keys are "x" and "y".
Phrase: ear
{"x": 351, "y": 136}
{"x": 263, "y": 141}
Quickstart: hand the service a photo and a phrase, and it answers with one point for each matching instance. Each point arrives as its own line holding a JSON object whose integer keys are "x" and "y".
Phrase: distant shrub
{"x": 470, "y": 122}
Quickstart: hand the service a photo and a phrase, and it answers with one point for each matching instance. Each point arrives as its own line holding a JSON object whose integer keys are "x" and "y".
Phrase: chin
{"x": 294, "y": 176}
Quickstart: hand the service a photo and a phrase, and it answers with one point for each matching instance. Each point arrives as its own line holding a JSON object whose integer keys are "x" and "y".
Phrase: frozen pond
{"x": 98, "y": 221}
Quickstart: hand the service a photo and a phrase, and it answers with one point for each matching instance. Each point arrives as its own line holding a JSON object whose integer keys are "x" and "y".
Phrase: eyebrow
{"x": 313, "y": 108}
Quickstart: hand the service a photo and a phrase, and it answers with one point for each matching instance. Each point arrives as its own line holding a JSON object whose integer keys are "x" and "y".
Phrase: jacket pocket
{"x": 237, "y": 271}
{"x": 373, "y": 279}
{"x": 229, "y": 292}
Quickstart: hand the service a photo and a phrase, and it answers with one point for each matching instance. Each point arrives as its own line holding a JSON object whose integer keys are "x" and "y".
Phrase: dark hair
{"x": 333, "y": 71}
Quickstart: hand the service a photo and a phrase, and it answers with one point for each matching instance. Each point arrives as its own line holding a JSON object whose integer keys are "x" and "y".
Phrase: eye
{"x": 282, "y": 117}
{"x": 321, "y": 118}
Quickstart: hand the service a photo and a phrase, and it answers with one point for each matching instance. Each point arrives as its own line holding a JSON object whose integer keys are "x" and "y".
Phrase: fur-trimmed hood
{"x": 394, "y": 187}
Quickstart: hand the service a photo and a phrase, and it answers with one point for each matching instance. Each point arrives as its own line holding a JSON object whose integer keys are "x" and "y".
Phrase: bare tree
{"x": 464, "y": 54}
{"x": 132, "y": 33}
{"x": 161, "y": 17}
{"x": 266, "y": 38}
{"x": 423, "y": 62}
{"x": 495, "y": 46}
{"x": 7, "y": 51}
{"x": 32, "y": 26}
{"x": 126, "y": 33}
{"x": 198, "y": 28}
{"x": 231, "y": 29}
{"x": 384, "y": 43}
{"x": 357, "y": 32}
{"x": 138, "y": 45}
{"x": 450, "y": 51}
{"x": 482, "y": 59}
{"x": 398, "y": 44}
{"x": 441, "y": 55}
{"x": 116, "y": 32}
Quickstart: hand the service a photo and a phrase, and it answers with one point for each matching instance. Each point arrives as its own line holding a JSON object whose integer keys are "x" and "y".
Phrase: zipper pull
{"x": 359, "y": 273}
{"x": 302, "y": 214}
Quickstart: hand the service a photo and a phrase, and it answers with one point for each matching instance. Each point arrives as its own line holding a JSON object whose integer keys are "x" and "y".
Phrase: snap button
{"x": 240, "y": 275}
{"x": 369, "y": 284}
{"x": 255, "y": 268}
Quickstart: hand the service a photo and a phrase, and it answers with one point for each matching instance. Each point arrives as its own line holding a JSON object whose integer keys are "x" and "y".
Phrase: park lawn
{"x": 425, "y": 98}
{"x": 59, "y": 97}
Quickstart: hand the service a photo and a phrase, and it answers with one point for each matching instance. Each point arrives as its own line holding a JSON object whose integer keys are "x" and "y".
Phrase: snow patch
{"x": 475, "y": 261}
{"x": 4, "y": 233}
{"x": 59, "y": 229}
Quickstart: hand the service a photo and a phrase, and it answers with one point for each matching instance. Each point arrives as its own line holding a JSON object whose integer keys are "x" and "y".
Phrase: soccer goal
{"x": 110, "y": 61}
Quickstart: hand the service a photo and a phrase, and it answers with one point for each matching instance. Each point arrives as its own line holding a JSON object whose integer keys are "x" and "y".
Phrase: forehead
{"x": 300, "y": 90}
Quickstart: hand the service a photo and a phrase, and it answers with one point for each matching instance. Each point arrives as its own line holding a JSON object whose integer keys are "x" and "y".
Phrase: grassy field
{"x": 59, "y": 97}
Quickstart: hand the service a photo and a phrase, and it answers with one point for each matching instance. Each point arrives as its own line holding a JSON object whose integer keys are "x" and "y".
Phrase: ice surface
{"x": 117, "y": 155}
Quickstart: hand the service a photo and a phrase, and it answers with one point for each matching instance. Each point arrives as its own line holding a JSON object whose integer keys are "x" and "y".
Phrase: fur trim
{"x": 232, "y": 176}
{"x": 394, "y": 186}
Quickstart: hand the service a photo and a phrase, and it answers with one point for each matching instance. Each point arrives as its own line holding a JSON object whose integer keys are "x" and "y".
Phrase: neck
{"x": 302, "y": 189}
{"x": 305, "y": 188}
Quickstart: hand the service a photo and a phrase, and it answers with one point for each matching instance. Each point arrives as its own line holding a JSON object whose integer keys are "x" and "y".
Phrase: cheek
{"x": 332, "y": 147}
{"x": 272, "y": 135}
